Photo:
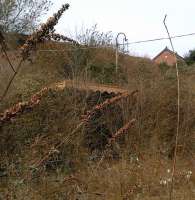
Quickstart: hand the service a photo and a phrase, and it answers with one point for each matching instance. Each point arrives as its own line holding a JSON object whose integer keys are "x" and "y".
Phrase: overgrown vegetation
{"x": 46, "y": 154}
{"x": 190, "y": 57}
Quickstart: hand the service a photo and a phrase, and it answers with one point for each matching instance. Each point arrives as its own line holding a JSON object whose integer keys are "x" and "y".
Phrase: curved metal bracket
{"x": 117, "y": 47}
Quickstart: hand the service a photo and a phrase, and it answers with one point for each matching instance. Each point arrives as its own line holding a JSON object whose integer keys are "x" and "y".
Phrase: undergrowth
{"x": 135, "y": 166}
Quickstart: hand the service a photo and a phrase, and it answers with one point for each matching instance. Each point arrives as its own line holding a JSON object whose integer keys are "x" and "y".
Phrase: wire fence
{"x": 159, "y": 39}
{"x": 73, "y": 47}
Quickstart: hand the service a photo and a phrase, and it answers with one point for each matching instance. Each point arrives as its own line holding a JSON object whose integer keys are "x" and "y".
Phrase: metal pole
{"x": 117, "y": 45}
{"x": 116, "y": 56}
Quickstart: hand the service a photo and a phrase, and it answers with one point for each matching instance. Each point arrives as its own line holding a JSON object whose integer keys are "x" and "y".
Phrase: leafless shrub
{"x": 93, "y": 37}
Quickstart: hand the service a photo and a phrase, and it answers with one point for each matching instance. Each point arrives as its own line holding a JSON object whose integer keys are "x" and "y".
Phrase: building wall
{"x": 165, "y": 57}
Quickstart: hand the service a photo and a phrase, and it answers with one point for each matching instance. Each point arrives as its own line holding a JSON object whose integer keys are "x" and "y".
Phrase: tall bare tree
{"x": 21, "y": 15}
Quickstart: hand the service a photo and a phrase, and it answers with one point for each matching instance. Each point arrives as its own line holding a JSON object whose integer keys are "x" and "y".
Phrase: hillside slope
{"x": 136, "y": 166}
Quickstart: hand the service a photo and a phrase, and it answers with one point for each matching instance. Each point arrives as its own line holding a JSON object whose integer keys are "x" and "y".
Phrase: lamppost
{"x": 117, "y": 45}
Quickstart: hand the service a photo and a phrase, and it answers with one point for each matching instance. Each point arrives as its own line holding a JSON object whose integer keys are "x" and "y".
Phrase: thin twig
{"x": 7, "y": 57}
{"x": 11, "y": 81}
{"x": 3, "y": 48}
{"x": 178, "y": 112}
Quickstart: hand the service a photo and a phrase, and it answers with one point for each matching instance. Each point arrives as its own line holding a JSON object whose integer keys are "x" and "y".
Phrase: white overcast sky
{"x": 138, "y": 19}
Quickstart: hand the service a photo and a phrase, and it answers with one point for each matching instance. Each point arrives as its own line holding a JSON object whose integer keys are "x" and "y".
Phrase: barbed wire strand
{"x": 120, "y": 44}
{"x": 159, "y": 39}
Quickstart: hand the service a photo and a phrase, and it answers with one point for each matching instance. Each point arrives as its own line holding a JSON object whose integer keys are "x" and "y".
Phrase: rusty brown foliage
{"x": 122, "y": 131}
{"x": 35, "y": 100}
{"x": 105, "y": 104}
{"x": 10, "y": 113}
{"x": 58, "y": 37}
{"x": 42, "y": 33}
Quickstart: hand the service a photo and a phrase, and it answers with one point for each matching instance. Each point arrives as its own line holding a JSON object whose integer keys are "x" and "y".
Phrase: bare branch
{"x": 178, "y": 111}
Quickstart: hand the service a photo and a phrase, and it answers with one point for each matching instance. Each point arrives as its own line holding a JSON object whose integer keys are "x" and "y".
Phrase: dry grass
{"x": 133, "y": 178}
{"x": 44, "y": 157}
{"x": 126, "y": 172}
